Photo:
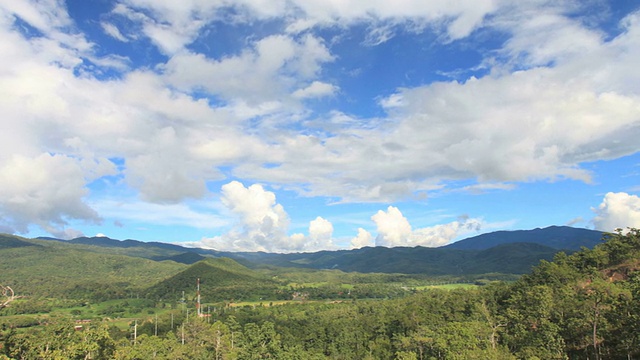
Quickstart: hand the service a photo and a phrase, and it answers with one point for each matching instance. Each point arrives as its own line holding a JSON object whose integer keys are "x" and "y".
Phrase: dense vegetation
{"x": 578, "y": 306}
{"x": 59, "y": 270}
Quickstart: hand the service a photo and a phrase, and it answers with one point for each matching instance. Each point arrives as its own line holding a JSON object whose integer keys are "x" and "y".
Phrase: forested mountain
{"x": 487, "y": 253}
{"x": 149, "y": 250}
{"x": 557, "y": 237}
{"x": 10, "y": 241}
{"x": 55, "y": 269}
{"x": 520, "y": 257}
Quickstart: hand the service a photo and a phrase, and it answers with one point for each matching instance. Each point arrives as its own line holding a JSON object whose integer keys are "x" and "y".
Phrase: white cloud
{"x": 263, "y": 224}
{"x": 485, "y": 187}
{"x": 267, "y": 71}
{"x": 617, "y": 210}
{"x": 31, "y": 193}
{"x": 364, "y": 238}
{"x": 173, "y": 25}
{"x": 539, "y": 123}
{"x": 193, "y": 214}
{"x": 315, "y": 90}
{"x": 320, "y": 234}
{"x": 169, "y": 25}
{"x": 163, "y": 137}
{"x": 440, "y": 235}
{"x": 558, "y": 94}
{"x": 46, "y": 16}
{"x": 256, "y": 207}
{"x": 457, "y": 19}
{"x": 113, "y": 31}
{"x": 394, "y": 230}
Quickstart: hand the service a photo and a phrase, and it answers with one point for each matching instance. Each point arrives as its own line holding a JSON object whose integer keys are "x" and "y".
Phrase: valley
{"x": 84, "y": 299}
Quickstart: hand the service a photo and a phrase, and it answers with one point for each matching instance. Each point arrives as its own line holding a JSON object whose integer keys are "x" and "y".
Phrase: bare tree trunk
{"x": 595, "y": 333}
{"x": 9, "y": 296}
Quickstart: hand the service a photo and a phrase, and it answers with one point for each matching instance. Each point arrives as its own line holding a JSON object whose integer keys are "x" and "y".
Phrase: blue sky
{"x": 301, "y": 125}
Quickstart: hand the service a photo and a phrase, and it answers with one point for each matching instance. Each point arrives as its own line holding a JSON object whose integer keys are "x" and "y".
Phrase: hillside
{"x": 220, "y": 279}
{"x": 46, "y": 268}
{"x": 511, "y": 258}
{"x": 10, "y": 241}
{"x": 184, "y": 258}
{"x": 557, "y": 237}
{"x": 149, "y": 250}
{"x": 514, "y": 258}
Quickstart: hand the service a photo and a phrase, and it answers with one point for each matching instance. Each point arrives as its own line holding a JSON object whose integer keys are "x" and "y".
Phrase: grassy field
{"x": 310, "y": 285}
{"x": 447, "y": 286}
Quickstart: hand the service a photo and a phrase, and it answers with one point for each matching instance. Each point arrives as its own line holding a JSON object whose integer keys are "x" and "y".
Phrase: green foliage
{"x": 10, "y": 241}
{"x": 220, "y": 279}
{"x": 583, "y": 305}
{"x": 55, "y": 269}
{"x": 580, "y": 305}
{"x": 58, "y": 339}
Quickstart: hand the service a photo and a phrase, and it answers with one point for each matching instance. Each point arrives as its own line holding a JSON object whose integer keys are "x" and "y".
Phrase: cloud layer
{"x": 178, "y": 112}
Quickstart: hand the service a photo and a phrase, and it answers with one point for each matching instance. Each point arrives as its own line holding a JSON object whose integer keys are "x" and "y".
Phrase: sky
{"x": 305, "y": 125}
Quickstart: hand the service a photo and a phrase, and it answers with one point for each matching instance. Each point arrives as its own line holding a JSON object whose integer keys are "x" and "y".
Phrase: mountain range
{"x": 513, "y": 252}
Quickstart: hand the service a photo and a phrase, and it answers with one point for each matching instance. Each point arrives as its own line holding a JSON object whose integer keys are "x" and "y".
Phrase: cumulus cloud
{"x": 263, "y": 224}
{"x": 320, "y": 234}
{"x": 617, "y": 210}
{"x": 443, "y": 234}
{"x": 30, "y": 193}
{"x": 63, "y": 127}
{"x": 263, "y": 220}
{"x": 394, "y": 230}
{"x": 364, "y": 238}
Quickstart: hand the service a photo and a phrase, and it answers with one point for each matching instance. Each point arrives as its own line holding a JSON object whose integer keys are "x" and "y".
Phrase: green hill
{"x": 11, "y": 241}
{"x": 221, "y": 279}
{"x": 510, "y": 258}
{"x": 184, "y": 258}
{"x": 53, "y": 269}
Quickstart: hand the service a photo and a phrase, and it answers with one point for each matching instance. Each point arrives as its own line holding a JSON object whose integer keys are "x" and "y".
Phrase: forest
{"x": 582, "y": 305}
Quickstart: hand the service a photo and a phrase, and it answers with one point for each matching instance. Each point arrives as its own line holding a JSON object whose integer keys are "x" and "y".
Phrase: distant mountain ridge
{"x": 497, "y": 252}
{"x": 10, "y": 241}
{"x": 557, "y": 237}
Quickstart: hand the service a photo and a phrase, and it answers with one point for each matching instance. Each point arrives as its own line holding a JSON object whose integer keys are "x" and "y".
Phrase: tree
{"x": 531, "y": 331}
{"x": 260, "y": 342}
{"x": 60, "y": 340}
